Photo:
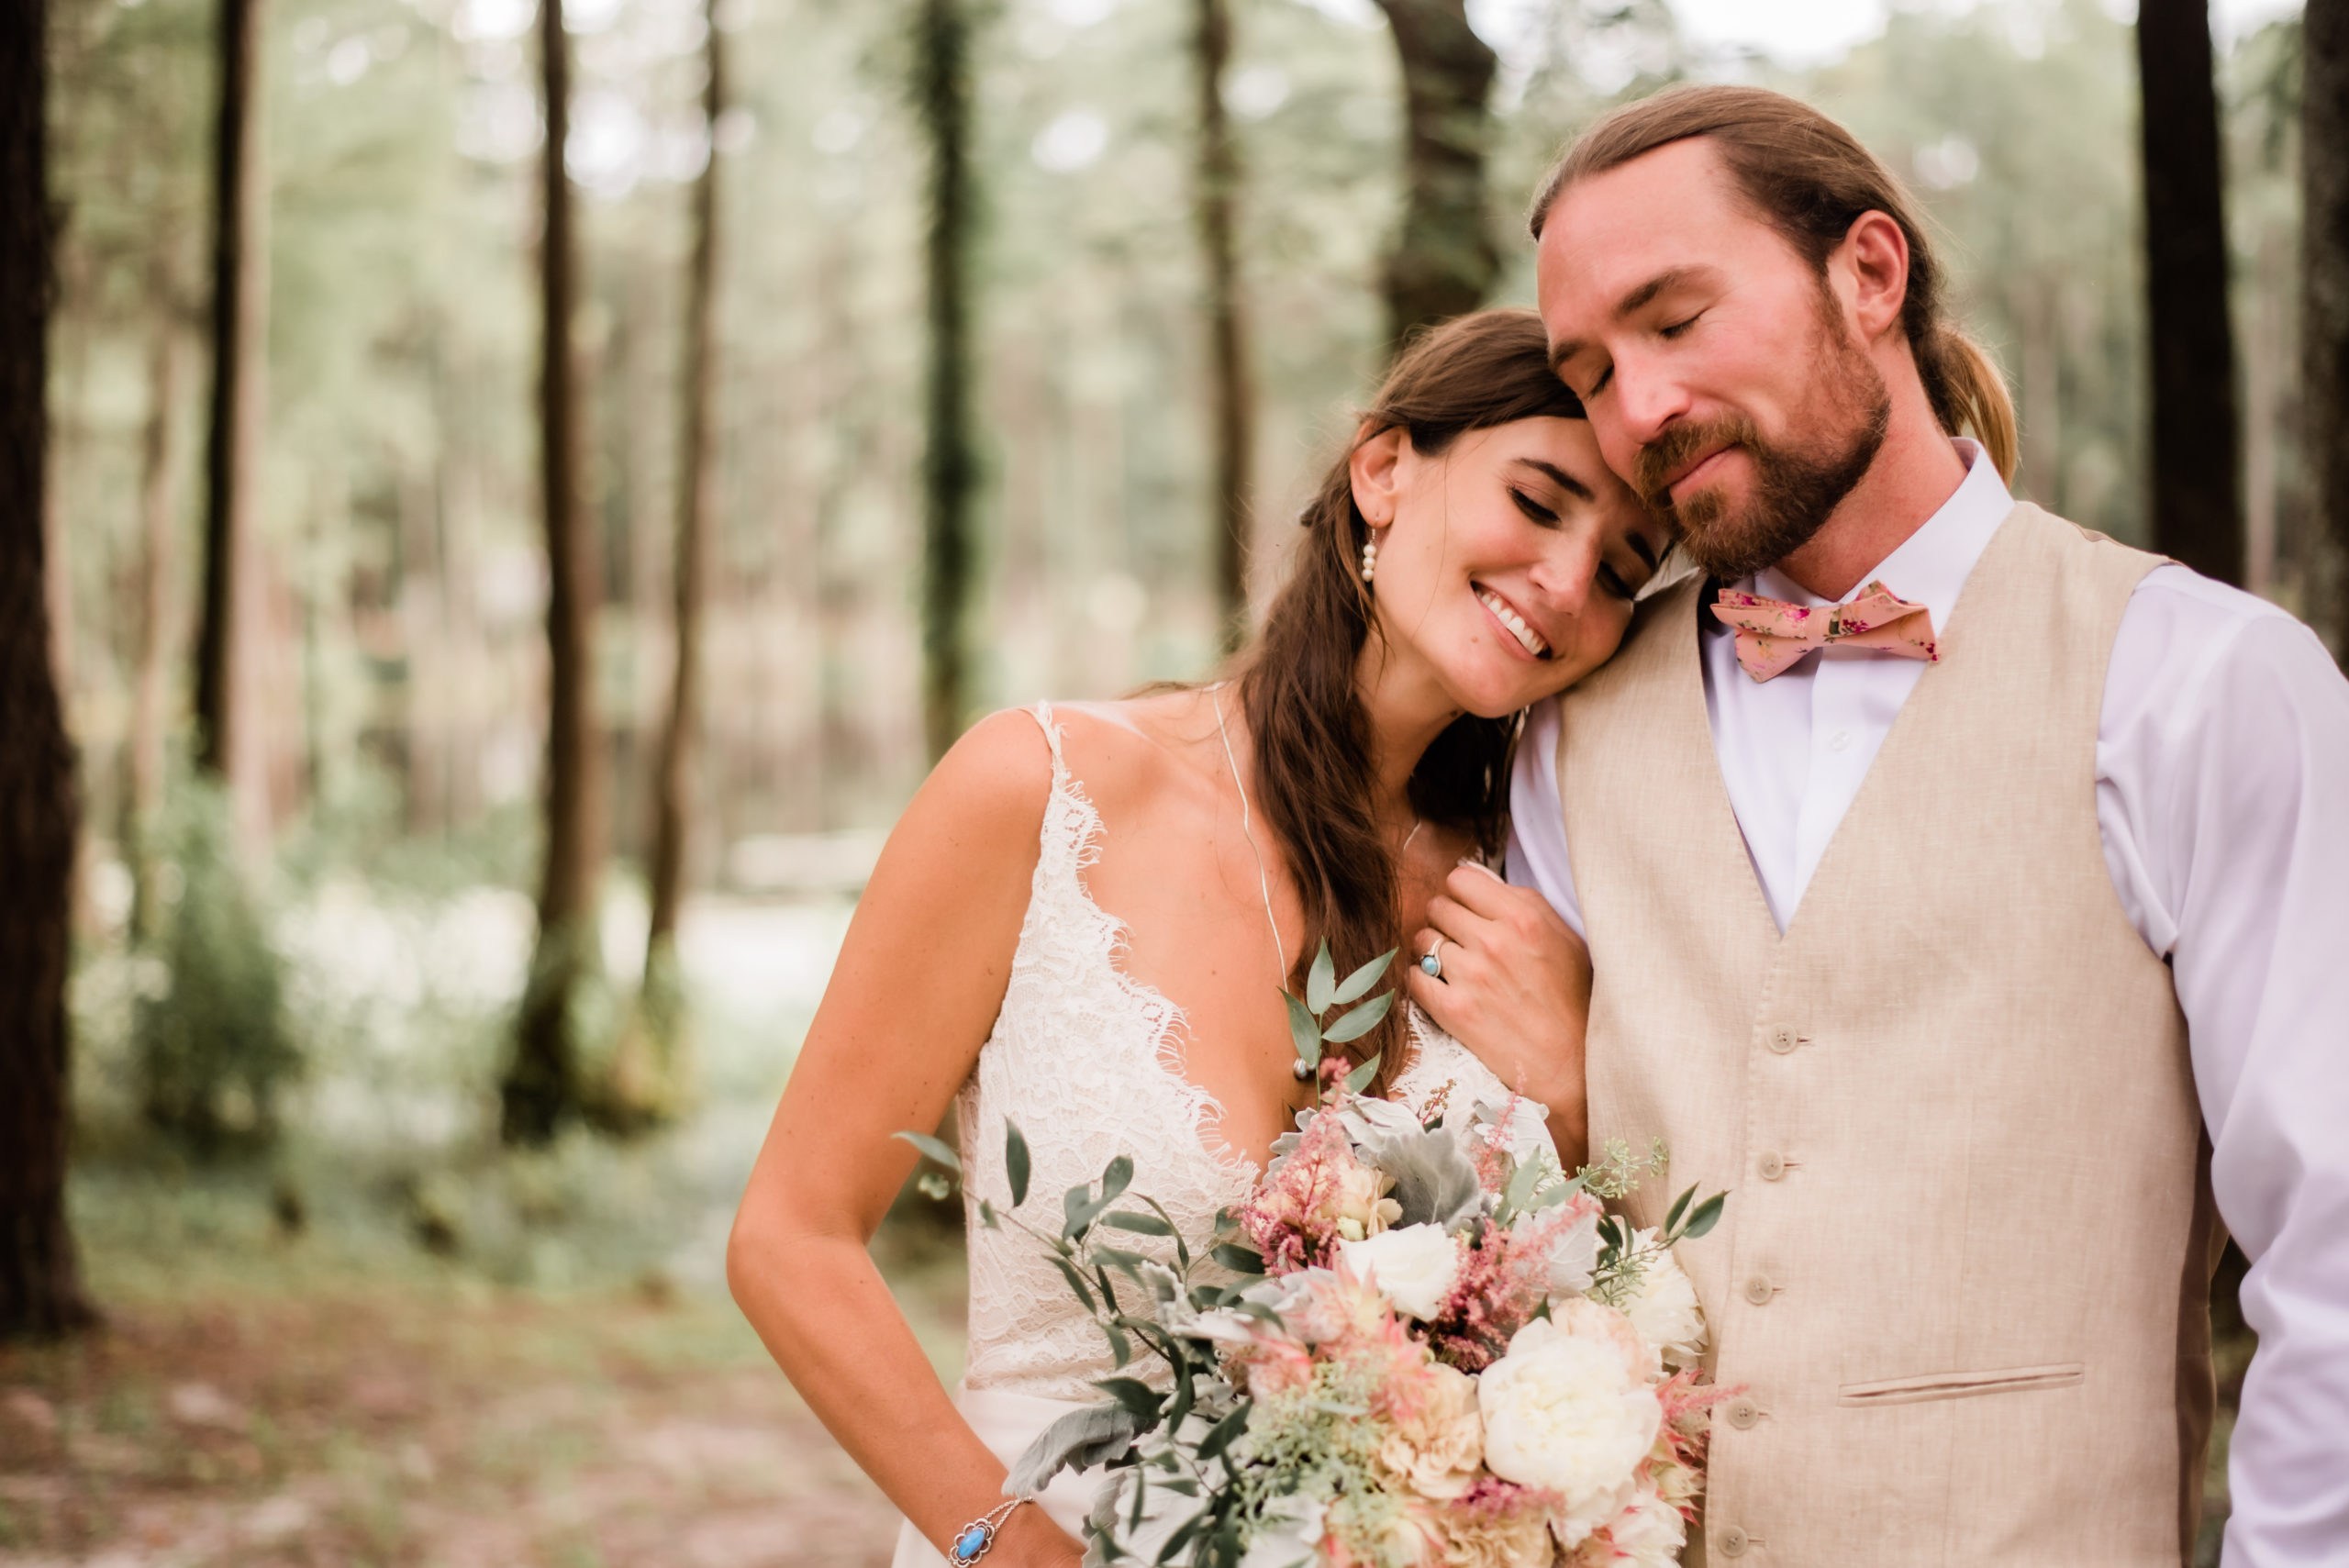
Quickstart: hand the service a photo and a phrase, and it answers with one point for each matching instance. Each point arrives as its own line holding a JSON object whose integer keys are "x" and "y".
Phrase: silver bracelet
{"x": 972, "y": 1541}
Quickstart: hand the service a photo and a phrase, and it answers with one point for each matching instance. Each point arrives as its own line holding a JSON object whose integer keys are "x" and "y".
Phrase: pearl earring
{"x": 1370, "y": 555}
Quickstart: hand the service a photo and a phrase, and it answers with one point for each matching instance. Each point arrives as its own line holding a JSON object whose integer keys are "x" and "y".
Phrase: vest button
{"x": 1758, "y": 1290}
{"x": 1743, "y": 1413}
{"x": 1773, "y": 1165}
{"x": 1731, "y": 1543}
{"x": 1782, "y": 1039}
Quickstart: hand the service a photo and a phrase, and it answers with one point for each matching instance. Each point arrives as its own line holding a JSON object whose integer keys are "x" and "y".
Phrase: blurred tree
{"x": 41, "y": 1289}
{"x": 1231, "y": 397}
{"x": 2194, "y": 485}
{"x": 2324, "y": 307}
{"x": 950, "y": 458}
{"x": 235, "y": 448}
{"x": 1444, "y": 261}
{"x": 648, "y": 1066}
{"x": 543, "y": 1085}
{"x": 169, "y": 362}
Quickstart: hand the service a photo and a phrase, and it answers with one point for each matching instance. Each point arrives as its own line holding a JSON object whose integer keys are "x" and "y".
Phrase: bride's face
{"x": 1506, "y": 561}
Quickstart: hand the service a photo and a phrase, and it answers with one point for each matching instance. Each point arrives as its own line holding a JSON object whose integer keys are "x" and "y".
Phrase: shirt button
{"x": 1840, "y": 741}
{"x": 1782, "y": 1039}
{"x": 1743, "y": 1413}
{"x": 1773, "y": 1165}
{"x": 1730, "y": 1542}
{"x": 1758, "y": 1290}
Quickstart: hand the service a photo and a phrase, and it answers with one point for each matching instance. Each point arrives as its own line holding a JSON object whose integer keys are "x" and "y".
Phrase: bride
{"x": 1084, "y": 921}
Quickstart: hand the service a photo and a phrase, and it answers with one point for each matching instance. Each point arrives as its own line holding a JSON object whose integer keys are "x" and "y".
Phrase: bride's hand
{"x": 1515, "y": 990}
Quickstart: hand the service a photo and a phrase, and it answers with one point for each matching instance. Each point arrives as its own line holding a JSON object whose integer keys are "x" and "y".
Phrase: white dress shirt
{"x": 2222, "y": 795}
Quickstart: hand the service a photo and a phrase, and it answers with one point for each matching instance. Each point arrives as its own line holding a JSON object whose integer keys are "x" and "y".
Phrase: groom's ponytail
{"x": 1810, "y": 180}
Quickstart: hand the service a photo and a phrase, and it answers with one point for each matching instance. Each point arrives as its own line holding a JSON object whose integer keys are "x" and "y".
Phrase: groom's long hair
{"x": 1810, "y": 180}
{"x": 1307, "y": 724}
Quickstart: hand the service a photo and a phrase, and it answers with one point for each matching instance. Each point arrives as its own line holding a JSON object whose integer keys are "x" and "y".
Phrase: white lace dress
{"x": 1089, "y": 1063}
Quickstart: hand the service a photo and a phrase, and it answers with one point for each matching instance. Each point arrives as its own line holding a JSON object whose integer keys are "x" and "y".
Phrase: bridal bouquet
{"x": 1440, "y": 1349}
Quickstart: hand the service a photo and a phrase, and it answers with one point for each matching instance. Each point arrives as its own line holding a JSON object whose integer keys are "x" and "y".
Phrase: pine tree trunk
{"x": 234, "y": 446}
{"x": 2195, "y": 488}
{"x": 650, "y": 1065}
{"x": 2324, "y": 304}
{"x": 41, "y": 1287}
{"x": 543, "y": 1087}
{"x": 1444, "y": 260}
{"x": 159, "y": 505}
{"x": 1231, "y": 416}
{"x": 949, "y": 462}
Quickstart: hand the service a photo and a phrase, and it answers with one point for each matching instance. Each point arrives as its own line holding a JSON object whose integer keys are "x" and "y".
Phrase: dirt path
{"x": 439, "y": 1427}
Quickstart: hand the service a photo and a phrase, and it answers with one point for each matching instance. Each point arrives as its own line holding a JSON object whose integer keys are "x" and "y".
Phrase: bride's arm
{"x": 912, "y": 998}
{"x": 1514, "y": 991}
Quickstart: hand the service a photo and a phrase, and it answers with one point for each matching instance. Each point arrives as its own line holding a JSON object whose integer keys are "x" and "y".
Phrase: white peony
{"x": 1565, "y": 1413}
{"x": 1288, "y": 1534}
{"x": 1413, "y": 1265}
{"x": 1665, "y": 1309}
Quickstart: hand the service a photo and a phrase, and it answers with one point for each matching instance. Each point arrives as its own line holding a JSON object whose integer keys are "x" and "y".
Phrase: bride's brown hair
{"x": 1308, "y": 730}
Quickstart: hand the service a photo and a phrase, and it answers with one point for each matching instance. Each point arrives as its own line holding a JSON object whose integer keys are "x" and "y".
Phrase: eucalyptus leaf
{"x": 1121, "y": 1350}
{"x": 1359, "y": 1079}
{"x": 933, "y": 1149}
{"x": 1363, "y": 979}
{"x": 1222, "y": 1435}
{"x": 1118, "y": 1176}
{"x": 1142, "y": 1224}
{"x": 1015, "y": 1161}
{"x": 1518, "y": 1193}
{"x": 1304, "y": 1031}
{"x": 1361, "y": 1021}
{"x": 1134, "y": 1396}
{"x": 987, "y": 1216}
{"x": 1240, "y": 1259}
{"x": 1319, "y": 981}
{"x": 1679, "y": 1207}
{"x": 1708, "y": 1214}
{"x": 1077, "y": 1283}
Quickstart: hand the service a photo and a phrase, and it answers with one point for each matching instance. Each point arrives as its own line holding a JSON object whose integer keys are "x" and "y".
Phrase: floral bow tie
{"x": 1772, "y": 634}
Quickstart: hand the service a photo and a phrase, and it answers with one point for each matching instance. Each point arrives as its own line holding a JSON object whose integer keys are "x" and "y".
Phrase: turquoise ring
{"x": 1431, "y": 966}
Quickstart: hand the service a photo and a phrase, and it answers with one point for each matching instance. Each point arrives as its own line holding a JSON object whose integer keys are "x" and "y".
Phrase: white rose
{"x": 1562, "y": 1413}
{"x": 1413, "y": 1265}
{"x": 1649, "y": 1534}
{"x": 1665, "y": 1310}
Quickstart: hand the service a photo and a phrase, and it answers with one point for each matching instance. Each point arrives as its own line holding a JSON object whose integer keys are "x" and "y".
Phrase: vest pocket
{"x": 1962, "y": 1385}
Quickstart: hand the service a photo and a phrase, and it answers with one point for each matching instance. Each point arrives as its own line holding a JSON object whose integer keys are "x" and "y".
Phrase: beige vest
{"x": 1962, "y": 1284}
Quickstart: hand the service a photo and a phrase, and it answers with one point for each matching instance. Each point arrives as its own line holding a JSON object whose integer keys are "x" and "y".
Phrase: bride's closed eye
{"x": 1534, "y": 510}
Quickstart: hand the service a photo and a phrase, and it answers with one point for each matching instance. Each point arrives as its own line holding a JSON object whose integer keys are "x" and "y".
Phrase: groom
{"x": 1990, "y": 940}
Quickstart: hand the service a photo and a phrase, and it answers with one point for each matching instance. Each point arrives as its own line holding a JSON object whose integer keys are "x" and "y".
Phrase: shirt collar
{"x": 1931, "y": 566}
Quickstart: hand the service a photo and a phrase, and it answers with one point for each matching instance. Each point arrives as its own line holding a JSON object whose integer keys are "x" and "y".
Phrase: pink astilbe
{"x": 1291, "y": 1218}
{"x": 1503, "y": 1279}
{"x": 1682, "y": 1440}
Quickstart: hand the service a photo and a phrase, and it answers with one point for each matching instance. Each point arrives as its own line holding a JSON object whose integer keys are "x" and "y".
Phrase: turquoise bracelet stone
{"x": 973, "y": 1543}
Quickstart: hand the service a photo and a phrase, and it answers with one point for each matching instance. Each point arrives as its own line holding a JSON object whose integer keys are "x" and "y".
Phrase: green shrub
{"x": 211, "y": 1039}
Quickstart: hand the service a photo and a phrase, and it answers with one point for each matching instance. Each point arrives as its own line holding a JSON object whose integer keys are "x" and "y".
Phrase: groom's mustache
{"x": 1655, "y": 465}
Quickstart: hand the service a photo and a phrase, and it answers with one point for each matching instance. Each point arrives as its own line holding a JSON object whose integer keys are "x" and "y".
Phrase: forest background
{"x": 948, "y": 356}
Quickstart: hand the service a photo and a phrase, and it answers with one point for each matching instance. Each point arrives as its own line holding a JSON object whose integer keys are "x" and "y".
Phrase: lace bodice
{"x": 1090, "y": 1064}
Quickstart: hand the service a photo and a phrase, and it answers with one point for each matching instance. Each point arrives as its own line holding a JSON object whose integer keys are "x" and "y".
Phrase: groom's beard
{"x": 1796, "y": 487}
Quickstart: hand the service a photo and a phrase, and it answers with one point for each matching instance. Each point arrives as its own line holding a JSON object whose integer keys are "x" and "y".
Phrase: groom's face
{"x": 1721, "y": 369}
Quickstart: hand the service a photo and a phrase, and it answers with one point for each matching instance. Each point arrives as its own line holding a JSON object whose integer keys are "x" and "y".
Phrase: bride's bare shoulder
{"x": 1130, "y": 754}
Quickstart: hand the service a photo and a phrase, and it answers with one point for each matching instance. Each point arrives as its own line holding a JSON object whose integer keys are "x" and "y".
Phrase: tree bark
{"x": 2324, "y": 303}
{"x": 649, "y": 1064}
{"x": 542, "y": 1088}
{"x": 41, "y": 1287}
{"x": 158, "y": 507}
{"x": 1231, "y": 412}
{"x": 1444, "y": 260}
{"x": 950, "y": 461}
{"x": 2195, "y": 487}
{"x": 234, "y": 446}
